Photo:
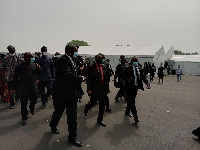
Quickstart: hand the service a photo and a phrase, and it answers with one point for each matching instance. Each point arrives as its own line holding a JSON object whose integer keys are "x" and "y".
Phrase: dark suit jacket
{"x": 130, "y": 73}
{"x": 66, "y": 81}
{"x": 24, "y": 83}
{"x": 47, "y": 67}
{"x": 94, "y": 79}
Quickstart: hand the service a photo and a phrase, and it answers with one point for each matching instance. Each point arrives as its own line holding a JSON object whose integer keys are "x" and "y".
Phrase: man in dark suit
{"x": 120, "y": 75}
{"x": 135, "y": 79}
{"x": 46, "y": 76}
{"x": 65, "y": 94}
{"x": 97, "y": 87}
{"x": 25, "y": 83}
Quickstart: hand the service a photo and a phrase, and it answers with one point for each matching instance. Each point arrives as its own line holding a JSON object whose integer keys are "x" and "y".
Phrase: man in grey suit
{"x": 65, "y": 94}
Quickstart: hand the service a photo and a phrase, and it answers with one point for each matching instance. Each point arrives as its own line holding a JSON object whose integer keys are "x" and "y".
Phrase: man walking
{"x": 25, "y": 82}
{"x": 97, "y": 87}
{"x": 135, "y": 79}
{"x": 178, "y": 73}
{"x": 65, "y": 94}
{"x": 9, "y": 63}
{"x": 46, "y": 76}
{"x": 152, "y": 72}
{"x": 120, "y": 75}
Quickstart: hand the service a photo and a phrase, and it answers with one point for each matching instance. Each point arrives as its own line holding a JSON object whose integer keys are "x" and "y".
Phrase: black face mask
{"x": 99, "y": 62}
{"x": 122, "y": 62}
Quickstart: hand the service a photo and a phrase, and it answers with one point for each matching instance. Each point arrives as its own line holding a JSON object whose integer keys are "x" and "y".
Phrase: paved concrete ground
{"x": 168, "y": 113}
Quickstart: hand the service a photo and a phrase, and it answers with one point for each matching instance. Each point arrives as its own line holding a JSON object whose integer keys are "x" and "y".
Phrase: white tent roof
{"x": 191, "y": 58}
{"x": 121, "y": 50}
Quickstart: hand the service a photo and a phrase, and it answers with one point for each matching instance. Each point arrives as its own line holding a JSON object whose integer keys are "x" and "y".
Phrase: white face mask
{"x": 44, "y": 53}
{"x": 13, "y": 54}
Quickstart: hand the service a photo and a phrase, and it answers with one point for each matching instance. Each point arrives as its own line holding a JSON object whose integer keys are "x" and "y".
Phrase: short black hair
{"x": 122, "y": 56}
{"x": 69, "y": 47}
{"x": 97, "y": 56}
{"x": 44, "y": 48}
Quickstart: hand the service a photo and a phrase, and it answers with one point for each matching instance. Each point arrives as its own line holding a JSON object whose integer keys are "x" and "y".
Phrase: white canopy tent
{"x": 190, "y": 64}
{"x": 151, "y": 53}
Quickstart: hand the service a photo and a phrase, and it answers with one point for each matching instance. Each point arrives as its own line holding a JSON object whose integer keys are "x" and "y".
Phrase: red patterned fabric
{"x": 4, "y": 93}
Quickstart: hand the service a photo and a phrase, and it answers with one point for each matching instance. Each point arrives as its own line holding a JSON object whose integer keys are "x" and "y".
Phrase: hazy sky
{"x": 34, "y": 23}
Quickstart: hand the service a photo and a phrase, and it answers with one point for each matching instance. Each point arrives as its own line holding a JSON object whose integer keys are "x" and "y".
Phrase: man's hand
{"x": 82, "y": 68}
{"x": 12, "y": 92}
{"x": 84, "y": 78}
{"x": 37, "y": 66}
{"x": 89, "y": 93}
{"x": 131, "y": 79}
{"x": 37, "y": 81}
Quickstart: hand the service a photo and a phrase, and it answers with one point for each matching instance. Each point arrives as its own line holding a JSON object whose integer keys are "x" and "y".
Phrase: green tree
{"x": 78, "y": 43}
{"x": 177, "y": 52}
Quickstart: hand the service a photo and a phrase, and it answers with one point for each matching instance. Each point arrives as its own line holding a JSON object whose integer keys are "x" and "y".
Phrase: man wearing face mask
{"x": 9, "y": 63}
{"x": 65, "y": 94}
{"x": 97, "y": 87}
{"x": 178, "y": 73}
{"x": 135, "y": 77}
{"x": 79, "y": 66}
{"x": 108, "y": 71}
{"x": 46, "y": 76}
{"x": 120, "y": 75}
{"x": 25, "y": 82}
{"x": 55, "y": 58}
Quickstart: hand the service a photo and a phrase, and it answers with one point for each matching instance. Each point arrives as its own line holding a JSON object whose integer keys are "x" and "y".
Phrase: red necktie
{"x": 100, "y": 70}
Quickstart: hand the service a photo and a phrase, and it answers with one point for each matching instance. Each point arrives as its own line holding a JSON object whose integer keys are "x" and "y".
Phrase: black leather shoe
{"x": 79, "y": 100}
{"x": 136, "y": 121}
{"x": 24, "y": 122}
{"x": 128, "y": 114}
{"x": 32, "y": 111}
{"x": 116, "y": 100}
{"x": 75, "y": 142}
{"x": 101, "y": 123}
{"x": 43, "y": 106}
{"x": 85, "y": 112}
{"x": 11, "y": 107}
{"x": 109, "y": 110}
{"x": 54, "y": 130}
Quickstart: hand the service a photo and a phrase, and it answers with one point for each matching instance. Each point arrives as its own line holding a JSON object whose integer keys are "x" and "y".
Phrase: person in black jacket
{"x": 160, "y": 73}
{"x": 152, "y": 72}
{"x": 25, "y": 83}
{"x": 120, "y": 75}
{"x": 46, "y": 76}
{"x": 97, "y": 87}
{"x": 134, "y": 79}
{"x": 65, "y": 94}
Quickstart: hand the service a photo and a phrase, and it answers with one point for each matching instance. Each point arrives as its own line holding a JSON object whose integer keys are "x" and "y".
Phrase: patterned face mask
{"x": 135, "y": 64}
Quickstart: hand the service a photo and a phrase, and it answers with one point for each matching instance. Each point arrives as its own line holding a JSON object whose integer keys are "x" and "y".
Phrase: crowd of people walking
{"x": 28, "y": 77}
